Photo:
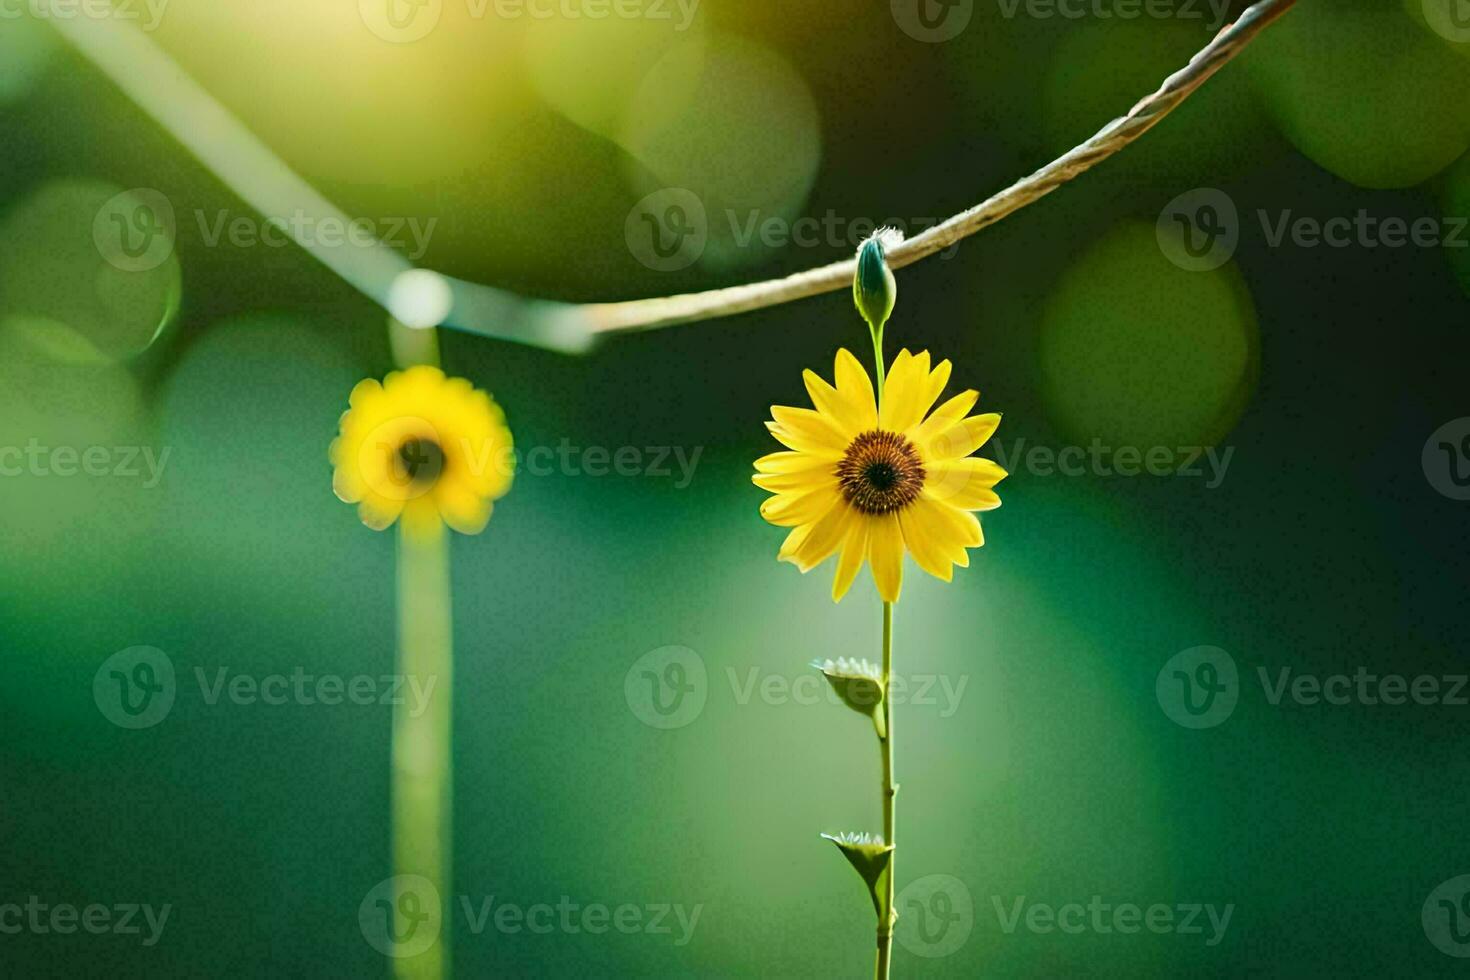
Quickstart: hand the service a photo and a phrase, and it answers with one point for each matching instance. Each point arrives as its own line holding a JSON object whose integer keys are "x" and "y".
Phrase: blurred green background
{"x": 1058, "y": 774}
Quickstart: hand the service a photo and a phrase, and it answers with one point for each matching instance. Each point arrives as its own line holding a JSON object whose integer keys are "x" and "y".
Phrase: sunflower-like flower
{"x": 423, "y": 447}
{"x": 869, "y": 485}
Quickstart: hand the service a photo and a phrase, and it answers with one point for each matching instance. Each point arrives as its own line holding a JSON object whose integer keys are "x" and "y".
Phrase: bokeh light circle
{"x": 1137, "y": 352}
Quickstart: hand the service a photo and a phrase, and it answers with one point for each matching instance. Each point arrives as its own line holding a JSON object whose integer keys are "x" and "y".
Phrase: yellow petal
{"x": 825, "y": 537}
{"x": 462, "y": 509}
{"x": 801, "y": 481}
{"x": 964, "y": 483}
{"x": 793, "y": 541}
{"x": 844, "y": 417}
{"x": 927, "y": 537}
{"x": 379, "y": 513}
{"x": 807, "y": 431}
{"x": 856, "y": 389}
{"x": 885, "y": 555}
{"x": 934, "y": 386}
{"x": 945, "y": 416}
{"x": 907, "y": 392}
{"x": 854, "y": 552}
{"x": 963, "y": 438}
{"x": 790, "y": 462}
{"x": 791, "y": 509}
{"x": 964, "y": 527}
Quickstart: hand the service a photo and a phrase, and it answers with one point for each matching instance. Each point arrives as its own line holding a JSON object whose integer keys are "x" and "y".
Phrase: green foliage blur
{"x": 1316, "y": 372}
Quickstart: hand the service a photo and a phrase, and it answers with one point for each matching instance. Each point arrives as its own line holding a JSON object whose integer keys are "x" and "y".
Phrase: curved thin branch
{"x": 666, "y": 311}
{"x": 244, "y": 162}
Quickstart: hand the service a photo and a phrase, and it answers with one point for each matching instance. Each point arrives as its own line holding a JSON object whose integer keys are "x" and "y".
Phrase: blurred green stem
{"x": 887, "y": 917}
{"x": 423, "y": 771}
{"x": 890, "y": 789}
{"x": 422, "y": 791}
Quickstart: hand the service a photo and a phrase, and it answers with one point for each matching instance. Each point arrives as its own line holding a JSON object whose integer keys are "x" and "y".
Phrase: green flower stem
{"x": 889, "y": 915}
{"x": 422, "y": 787}
{"x": 890, "y": 790}
{"x": 877, "y": 333}
{"x": 422, "y": 791}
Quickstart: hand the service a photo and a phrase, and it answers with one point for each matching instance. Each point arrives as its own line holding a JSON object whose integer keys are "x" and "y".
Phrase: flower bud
{"x": 874, "y": 290}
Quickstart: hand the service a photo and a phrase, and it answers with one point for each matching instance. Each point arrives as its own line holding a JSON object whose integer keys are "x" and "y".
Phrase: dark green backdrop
{"x": 1058, "y": 775}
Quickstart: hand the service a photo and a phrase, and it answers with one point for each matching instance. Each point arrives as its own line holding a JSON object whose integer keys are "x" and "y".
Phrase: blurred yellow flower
{"x": 423, "y": 447}
{"x": 870, "y": 484}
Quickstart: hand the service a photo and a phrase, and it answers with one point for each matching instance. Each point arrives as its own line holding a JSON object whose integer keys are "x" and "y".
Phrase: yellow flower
{"x": 870, "y": 485}
{"x": 424, "y": 447}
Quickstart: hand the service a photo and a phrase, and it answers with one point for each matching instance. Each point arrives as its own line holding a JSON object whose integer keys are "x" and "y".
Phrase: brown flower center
{"x": 880, "y": 472}
{"x": 419, "y": 462}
